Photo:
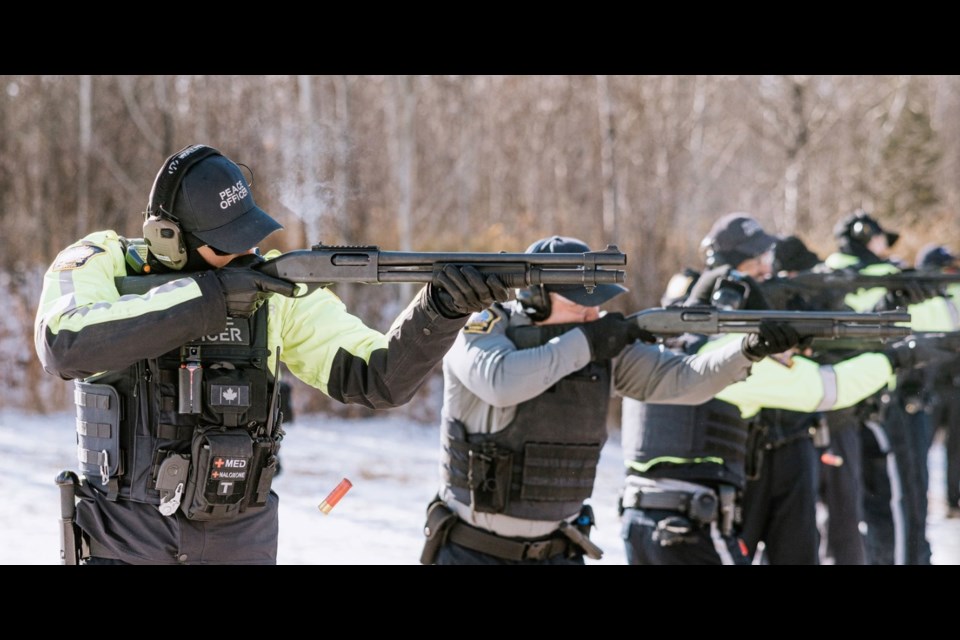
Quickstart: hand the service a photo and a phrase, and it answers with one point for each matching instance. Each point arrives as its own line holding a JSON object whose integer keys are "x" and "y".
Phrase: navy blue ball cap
{"x": 935, "y": 256}
{"x": 736, "y": 237}
{"x": 216, "y": 205}
{"x": 791, "y": 254}
{"x": 575, "y": 292}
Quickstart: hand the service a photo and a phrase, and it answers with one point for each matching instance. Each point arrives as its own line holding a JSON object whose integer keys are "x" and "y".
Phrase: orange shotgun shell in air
{"x": 338, "y": 492}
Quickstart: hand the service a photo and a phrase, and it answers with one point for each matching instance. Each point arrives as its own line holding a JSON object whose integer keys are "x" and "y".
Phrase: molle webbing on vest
{"x": 558, "y": 472}
{"x": 98, "y": 433}
{"x": 695, "y": 443}
{"x": 234, "y": 394}
{"x": 545, "y": 472}
{"x": 724, "y": 435}
{"x": 543, "y": 465}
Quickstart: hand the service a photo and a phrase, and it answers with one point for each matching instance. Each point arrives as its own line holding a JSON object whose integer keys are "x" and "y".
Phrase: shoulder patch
{"x": 75, "y": 257}
{"x": 481, "y": 322}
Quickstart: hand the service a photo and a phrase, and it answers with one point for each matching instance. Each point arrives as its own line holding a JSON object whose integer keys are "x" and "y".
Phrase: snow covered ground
{"x": 391, "y": 462}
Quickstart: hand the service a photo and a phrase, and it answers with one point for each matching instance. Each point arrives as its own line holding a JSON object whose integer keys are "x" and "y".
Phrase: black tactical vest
{"x": 543, "y": 465}
{"x": 701, "y": 443}
{"x": 145, "y": 432}
{"x": 696, "y": 443}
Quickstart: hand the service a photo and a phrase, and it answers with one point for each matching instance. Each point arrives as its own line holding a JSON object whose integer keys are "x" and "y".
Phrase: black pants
{"x": 895, "y": 481}
{"x": 453, "y": 554}
{"x": 704, "y": 544}
{"x": 102, "y": 561}
{"x": 841, "y": 492}
{"x": 952, "y": 453}
{"x": 945, "y": 414}
{"x": 780, "y": 507}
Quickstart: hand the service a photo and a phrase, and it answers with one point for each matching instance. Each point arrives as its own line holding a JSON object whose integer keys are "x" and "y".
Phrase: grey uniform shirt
{"x": 485, "y": 377}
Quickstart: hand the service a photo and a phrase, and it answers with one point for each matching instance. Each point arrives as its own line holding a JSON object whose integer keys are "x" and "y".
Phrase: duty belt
{"x": 509, "y": 548}
{"x": 776, "y": 436}
{"x": 702, "y": 505}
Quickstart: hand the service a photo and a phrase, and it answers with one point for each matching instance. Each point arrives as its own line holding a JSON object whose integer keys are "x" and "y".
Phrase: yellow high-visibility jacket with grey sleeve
{"x": 125, "y": 353}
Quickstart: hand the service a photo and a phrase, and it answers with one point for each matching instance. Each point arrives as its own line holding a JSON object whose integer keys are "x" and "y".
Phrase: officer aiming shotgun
{"x": 821, "y": 325}
{"x": 829, "y": 287}
{"x": 323, "y": 265}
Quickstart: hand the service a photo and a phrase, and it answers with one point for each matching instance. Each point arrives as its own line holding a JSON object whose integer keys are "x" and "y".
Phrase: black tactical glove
{"x": 460, "y": 290}
{"x": 919, "y": 351}
{"x": 245, "y": 288}
{"x": 771, "y": 337}
{"x": 611, "y": 333}
{"x": 908, "y": 294}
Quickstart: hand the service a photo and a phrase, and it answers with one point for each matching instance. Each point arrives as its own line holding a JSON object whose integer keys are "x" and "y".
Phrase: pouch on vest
{"x": 98, "y": 430}
{"x": 229, "y": 398}
{"x": 264, "y": 467}
{"x": 221, "y": 463}
{"x": 439, "y": 520}
{"x": 489, "y": 474}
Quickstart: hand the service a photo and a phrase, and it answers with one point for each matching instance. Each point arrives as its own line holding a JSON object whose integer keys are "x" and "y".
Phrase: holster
{"x": 71, "y": 537}
{"x": 439, "y": 520}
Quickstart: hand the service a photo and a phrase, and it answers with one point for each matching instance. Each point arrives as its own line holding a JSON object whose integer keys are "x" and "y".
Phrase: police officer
{"x": 836, "y": 476}
{"x": 895, "y": 433}
{"x": 526, "y": 395}
{"x": 177, "y": 423}
{"x": 780, "y": 497}
{"x": 686, "y": 499}
{"x": 944, "y": 380}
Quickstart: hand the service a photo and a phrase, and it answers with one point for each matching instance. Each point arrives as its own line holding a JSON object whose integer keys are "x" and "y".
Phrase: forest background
{"x": 472, "y": 163}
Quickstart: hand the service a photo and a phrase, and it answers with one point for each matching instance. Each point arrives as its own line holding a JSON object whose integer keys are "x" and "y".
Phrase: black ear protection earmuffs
{"x": 535, "y": 302}
{"x": 535, "y": 299}
{"x": 161, "y": 229}
{"x": 861, "y": 231}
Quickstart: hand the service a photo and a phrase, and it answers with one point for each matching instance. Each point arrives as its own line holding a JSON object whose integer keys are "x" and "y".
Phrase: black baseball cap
{"x": 791, "y": 254}
{"x": 935, "y": 256}
{"x": 737, "y": 237}
{"x": 575, "y": 292}
{"x": 216, "y": 205}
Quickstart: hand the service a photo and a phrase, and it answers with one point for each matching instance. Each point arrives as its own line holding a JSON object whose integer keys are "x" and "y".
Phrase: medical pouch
{"x": 218, "y": 480}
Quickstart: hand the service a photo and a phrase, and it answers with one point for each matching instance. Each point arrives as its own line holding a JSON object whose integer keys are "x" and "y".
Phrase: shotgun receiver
{"x": 323, "y": 265}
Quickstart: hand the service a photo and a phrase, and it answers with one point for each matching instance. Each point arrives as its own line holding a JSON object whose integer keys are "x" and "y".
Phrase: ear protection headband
{"x": 161, "y": 229}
